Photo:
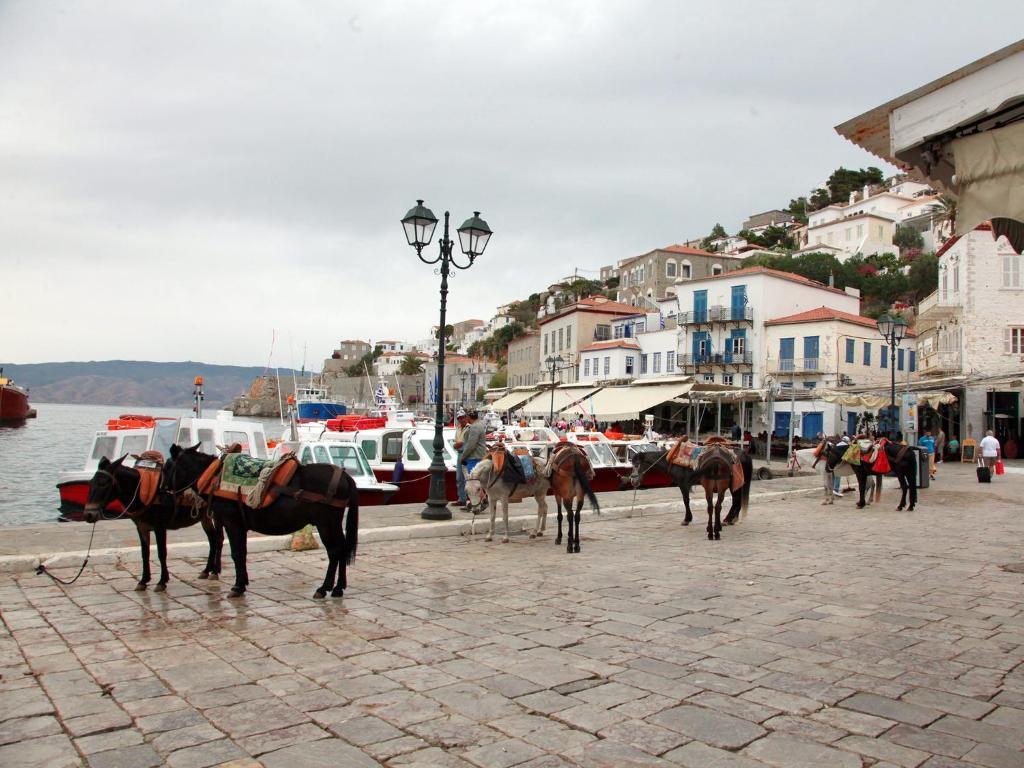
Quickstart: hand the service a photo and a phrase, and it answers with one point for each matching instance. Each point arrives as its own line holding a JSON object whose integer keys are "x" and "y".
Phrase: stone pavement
{"x": 807, "y": 636}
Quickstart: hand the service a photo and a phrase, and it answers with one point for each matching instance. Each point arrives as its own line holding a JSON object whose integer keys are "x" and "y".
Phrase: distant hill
{"x": 132, "y": 382}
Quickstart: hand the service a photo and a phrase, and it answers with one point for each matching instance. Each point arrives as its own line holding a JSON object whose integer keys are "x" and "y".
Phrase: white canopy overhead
{"x": 514, "y": 399}
{"x": 874, "y": 401}
{"x": 564, "y": 397}
{"x": 615, "y": 403}
{"x": 990, "y": 169}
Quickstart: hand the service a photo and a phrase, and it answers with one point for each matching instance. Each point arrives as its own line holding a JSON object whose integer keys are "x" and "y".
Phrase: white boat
{"x": 349, "y": 457}
{"x": 131, "y": 434}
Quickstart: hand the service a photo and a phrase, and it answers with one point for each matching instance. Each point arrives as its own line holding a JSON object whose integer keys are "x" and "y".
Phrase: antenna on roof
{"x": 831, "y": 279}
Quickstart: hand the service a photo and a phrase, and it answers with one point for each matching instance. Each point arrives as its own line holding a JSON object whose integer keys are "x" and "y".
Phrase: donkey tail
{"x": 581, "y": 476}
{"x": 352, "y": 520}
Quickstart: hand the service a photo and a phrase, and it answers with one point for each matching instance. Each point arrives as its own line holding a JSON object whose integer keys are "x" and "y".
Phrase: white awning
{"x": 564, "y": 397}
{"x": 875, "y": 402}
{"x": 621, "y": 403}
{"x": 990, "y": 171}
{"x": 513, "y": 399}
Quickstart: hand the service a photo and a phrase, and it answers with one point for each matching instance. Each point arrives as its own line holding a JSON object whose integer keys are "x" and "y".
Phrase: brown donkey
{"x": 571, "y": 474}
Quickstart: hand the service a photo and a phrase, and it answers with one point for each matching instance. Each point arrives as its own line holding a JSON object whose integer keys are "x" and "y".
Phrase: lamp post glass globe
{"x": 899, "y": 329}
{"x": 473, "y": 235}
{"x": 419, "y": 224}
{"x": 885, "y": 326}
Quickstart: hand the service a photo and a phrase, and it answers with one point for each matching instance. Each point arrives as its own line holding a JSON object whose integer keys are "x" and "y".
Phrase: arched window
{"x": 716, "y": 269}
{"x": 685, "y": 270}
{"x": 670, "y": 268}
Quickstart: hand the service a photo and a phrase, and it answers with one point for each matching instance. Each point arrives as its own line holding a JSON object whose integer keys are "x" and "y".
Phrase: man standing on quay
{"x": 474, "y": 443}
{"x": 460, "y": 474}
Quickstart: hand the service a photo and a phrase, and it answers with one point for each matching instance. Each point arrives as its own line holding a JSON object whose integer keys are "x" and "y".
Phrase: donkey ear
{"x": 194, "y": 448}
{"x": 120, "y": 461}
{"x": 104, "y": 462}
{"x": 175, "y": 450}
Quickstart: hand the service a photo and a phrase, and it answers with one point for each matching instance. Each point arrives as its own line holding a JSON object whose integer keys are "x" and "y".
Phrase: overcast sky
{"x": 179, "y": 179}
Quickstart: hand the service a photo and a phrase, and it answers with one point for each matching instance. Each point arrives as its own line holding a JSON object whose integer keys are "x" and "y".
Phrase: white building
{"x": 605, "y": 360}
{"x": 826, "y": 348}
{"x": 393, "y": 345}
{"x": 971, "y": 333}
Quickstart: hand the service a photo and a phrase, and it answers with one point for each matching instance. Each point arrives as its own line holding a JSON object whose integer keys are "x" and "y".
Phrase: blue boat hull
{"x": 317, "y": 411}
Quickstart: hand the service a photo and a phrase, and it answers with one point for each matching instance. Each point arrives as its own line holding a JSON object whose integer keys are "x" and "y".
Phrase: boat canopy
{"x": 564, "y": 397}
{"x": 622, "y": 403}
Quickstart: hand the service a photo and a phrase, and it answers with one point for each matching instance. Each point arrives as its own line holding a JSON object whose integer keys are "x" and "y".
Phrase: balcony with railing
{"x": 714, "y": 360}
{"x": 795, "y": 366}
{"x": 936, "y": 307}
{"x": 718, "y": 314}
{"x": 940, "y": 362}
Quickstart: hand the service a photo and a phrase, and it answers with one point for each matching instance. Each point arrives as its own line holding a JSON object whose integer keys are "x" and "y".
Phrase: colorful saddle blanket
{"x": 684, "y": 454}
{"x": 254, "y": 481}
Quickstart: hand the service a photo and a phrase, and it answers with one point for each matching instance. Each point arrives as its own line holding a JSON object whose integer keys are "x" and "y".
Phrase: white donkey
{"x": 484, "y": 482}
{"x": 810, "y": 458}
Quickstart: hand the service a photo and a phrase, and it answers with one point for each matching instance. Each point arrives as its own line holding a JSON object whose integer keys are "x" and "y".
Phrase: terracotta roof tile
{"x": 827, "y": 313}
{"x": 768, "y": 271}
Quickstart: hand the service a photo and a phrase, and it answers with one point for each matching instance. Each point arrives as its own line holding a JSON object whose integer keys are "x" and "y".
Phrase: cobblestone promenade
{"x": 807, "y": 636}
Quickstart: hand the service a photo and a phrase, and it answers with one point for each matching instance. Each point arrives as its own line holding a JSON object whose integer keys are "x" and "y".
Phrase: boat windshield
{"x": 163, "y": 436}
{"x": 599, "y": 454}
{"x": 103, "y": 447}
{"x": 348, "y": 458}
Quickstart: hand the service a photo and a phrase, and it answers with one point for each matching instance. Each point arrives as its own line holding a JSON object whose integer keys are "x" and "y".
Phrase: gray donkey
{"x": 485, "y": 481}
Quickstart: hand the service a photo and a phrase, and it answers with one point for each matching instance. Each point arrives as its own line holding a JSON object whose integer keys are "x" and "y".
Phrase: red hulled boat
{"x": 13, "y": 401}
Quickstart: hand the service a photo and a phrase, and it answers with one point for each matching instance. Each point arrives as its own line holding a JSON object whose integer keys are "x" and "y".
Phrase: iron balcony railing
{"x": 717, "y": 314}
{"x": 715, "y": 358}
{"x": 795, "y": 365}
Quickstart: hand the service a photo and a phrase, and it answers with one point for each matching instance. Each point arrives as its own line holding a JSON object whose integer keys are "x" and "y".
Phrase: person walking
{"x": 843, "y": 443}
{"x": 474, "y": 443}
{"x": 461, "y": 422}
{"x": 940, "y": 445}
{"x": 991, "y": 451}
{"x": 927, "y": 442}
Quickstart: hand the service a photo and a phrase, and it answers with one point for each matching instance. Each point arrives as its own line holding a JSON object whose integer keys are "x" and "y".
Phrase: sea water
{"x": 32, "y": 454}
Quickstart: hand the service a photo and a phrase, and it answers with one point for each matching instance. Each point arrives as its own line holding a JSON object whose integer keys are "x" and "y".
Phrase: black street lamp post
{"x": 552, "y": 362}
{"x": 419, "y": 224}
{"x": 463, "y": 375}
{"x": 892, "y": 329}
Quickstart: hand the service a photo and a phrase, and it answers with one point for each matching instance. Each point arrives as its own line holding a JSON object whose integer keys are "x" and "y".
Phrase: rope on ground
{"x": 636, "y": 485}
{"x": 41, "y": 569}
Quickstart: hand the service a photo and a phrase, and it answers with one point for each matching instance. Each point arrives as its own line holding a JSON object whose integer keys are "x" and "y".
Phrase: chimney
{"x": 831, "y": 279}
{"x": 867, "y": 191}
{"x": 853, "y": 197}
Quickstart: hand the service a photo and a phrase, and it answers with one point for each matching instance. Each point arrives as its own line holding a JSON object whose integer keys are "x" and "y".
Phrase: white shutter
{"x": 1008, "y": 341}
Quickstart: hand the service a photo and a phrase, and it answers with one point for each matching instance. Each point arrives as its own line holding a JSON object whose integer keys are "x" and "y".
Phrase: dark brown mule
{"x": 715, "y": 469}
{"x": 155, "y": 505}
{"x": 317, "y": 494}
{"x": 570, "y": 479}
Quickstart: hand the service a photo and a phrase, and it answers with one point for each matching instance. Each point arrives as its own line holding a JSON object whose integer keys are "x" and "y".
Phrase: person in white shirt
{"x": 991, "y": 451}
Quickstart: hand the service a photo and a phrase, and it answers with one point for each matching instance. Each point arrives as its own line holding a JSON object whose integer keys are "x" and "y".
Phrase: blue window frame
{"x": 786, "y": 354}
{"x": 899, "y": 358}
{"x": 885, "y": 356}
{"x": 700, "y": 306}
{"x": 867, "y": 353}
{"x": 811, "y": 352}
{"x": 850, "y": 350}
{"x": 739, "y": 301}
{"x": 913, "y": 361}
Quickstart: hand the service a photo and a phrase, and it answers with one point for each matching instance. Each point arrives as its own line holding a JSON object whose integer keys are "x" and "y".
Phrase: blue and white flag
{"x": 380, "y": 395}
{"x": 661, "y": 321}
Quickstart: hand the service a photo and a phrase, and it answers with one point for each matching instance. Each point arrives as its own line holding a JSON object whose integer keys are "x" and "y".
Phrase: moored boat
{"x": 131, "y": 434}
{"x": 348, "y": 456}
{"x": 13, "y": 401}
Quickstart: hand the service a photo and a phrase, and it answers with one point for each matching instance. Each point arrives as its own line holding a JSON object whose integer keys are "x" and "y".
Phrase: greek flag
{"x": 380, "y": 395}
{"x": 661, "y": 321}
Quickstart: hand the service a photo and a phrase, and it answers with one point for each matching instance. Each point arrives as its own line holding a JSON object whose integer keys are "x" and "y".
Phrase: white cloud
{"x": 176, "y": 180}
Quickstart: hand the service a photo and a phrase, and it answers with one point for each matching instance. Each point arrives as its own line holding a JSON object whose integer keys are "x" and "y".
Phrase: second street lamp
{"x": 419, "y": 224}
{"x": 552, "y": 362}
{"x": 893, "y": 330}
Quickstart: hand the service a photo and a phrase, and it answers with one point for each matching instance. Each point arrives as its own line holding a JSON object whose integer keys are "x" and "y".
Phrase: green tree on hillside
{"x": 717, "y": 231}
{"x": 364, "y": 364}
{"x": 907, "y": 238}
{"x": 843, "y": 181}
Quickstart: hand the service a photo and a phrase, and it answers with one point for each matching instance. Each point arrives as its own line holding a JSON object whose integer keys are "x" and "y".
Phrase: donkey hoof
{"x": 505, "y": 540}
{"x": 141, "y": 586}
{"x": 203, "y": 575}
{"x": 860, "y": 505}
{"x": 718, "y": 536}
{"x": 337, "y": 592}
{"x": 160, "y": 587}
{"x": 685, "y": 522}
{"x": 533, "y": 535}
{"x": 711, "y": 536}
{"x": 568, "y": 549}
{"x": 576, "y": 549}
{"x": 487, "y": 538}
{"x": 214, "y": 577}
{"x": 236, "y": 592}
{"x": 320, "y": 594}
